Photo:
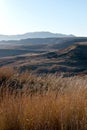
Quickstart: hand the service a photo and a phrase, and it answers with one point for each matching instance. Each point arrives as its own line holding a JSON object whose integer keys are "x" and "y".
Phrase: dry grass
{"x": 44, "y": 102}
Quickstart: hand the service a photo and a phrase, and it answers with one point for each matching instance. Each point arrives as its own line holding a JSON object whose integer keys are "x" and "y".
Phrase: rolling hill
{"x": 37, "y": 45}
{"x": 71, "y": 60}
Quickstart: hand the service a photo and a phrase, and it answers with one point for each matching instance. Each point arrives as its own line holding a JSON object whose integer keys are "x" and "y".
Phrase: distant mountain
{"x": 33, "y": 35}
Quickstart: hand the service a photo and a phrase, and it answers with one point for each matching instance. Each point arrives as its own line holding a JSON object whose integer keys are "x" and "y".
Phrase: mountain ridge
{"x": 42, "y": 34}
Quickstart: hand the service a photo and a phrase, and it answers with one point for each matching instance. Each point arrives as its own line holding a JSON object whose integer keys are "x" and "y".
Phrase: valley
{"x": 66, "y": 56}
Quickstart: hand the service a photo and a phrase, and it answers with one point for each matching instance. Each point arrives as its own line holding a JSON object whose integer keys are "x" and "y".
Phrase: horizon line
{"x": 36, "y": 32}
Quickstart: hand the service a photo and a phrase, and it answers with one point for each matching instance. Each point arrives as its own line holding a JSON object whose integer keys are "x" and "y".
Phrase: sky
{"x": 57, "y": 16}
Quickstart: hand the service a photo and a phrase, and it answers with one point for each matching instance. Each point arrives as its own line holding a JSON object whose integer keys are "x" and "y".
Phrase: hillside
{"x": 37, "y": 45}
{"x": 71, "y": 60}
{"x": 75, "y": 57}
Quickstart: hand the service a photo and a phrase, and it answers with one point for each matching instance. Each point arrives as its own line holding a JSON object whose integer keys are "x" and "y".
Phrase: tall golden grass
{"x": 43, "y": 102}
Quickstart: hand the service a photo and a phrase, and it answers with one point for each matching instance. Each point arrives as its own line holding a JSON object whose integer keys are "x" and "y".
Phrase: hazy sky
{"x": 59, "y": 16}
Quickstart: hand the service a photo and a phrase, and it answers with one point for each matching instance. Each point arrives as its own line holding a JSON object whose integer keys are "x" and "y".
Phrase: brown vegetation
{"x": 42, "y": 102}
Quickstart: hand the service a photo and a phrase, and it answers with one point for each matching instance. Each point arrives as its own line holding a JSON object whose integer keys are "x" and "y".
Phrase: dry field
{"x": 42, "y": 102}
